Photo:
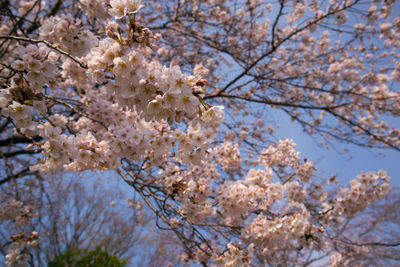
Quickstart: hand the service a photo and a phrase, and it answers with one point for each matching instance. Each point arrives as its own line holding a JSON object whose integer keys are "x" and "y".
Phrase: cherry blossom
{"x": 175, "y": 103}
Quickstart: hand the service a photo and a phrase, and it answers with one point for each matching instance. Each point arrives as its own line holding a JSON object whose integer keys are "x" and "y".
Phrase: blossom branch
{"x": 30, "y": 40}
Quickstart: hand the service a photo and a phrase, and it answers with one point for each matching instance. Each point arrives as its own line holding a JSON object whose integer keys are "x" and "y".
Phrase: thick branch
{"x": 18, "y": 140}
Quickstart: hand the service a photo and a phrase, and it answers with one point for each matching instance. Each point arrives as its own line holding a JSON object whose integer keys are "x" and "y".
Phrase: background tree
{"x": 70, "y": 216}
{"x": 81, "y": 219}
{"x": 87, "y": 84}
{"x": 87, "y": 258}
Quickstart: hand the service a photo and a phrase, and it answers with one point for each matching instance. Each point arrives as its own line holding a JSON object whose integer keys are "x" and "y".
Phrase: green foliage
{"x": 85, "y": 258}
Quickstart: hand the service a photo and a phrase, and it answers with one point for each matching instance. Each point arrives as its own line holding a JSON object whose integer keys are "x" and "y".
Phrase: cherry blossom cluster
{"x": 192, "y": 186}
{"x": 270, "y": 235}
{"x": 284, "y": 154}
{"x": 157, "y": 91}
{"x": 15, "y": 254}
{"x": 295, "y": 191}
{"x": 17, "y": 211}
{"x": 20, "y": 214}
{"x": 22, "y": 114}
{"x": 95, "y": 8}
{"x": 39, "y": 65}
{"x": 237, "y": 202}
{"x": 364, "y": 189}
{"x": 228, "y": 156}
{"x": 121, "y": 134}
{"x": 68, "y": 32}
{"x": 25, "y": 6}
{"x": 121, "y": 8}
{"x": 234, "y": 256}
